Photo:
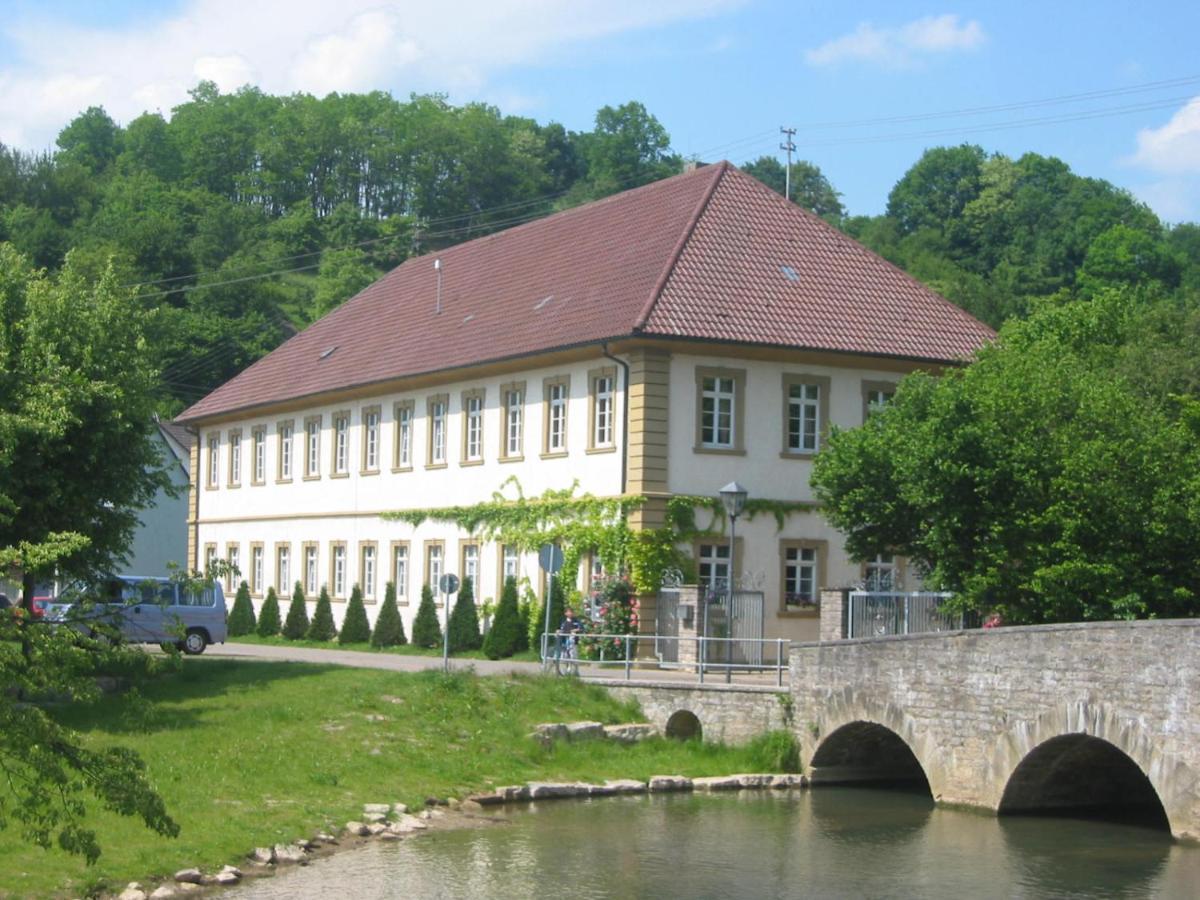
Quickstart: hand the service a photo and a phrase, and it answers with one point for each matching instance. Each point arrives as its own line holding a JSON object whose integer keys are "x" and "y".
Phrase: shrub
{"x": 537, "y": 622}
{"x": 268, "y": 619}
{"x": 426, "y": 630}
{"x": 241, "y": 618}
{"x": 296, "y": 626}
{"x": 464, "y": 621}
{"x": 776, "y": 751}
{"x": 504, "y": 638}
{"x": 389, "y": 627}
{"x": 355, "y": 627}
{"x": 618, "y": 607}
{"x": 322, "y": 627}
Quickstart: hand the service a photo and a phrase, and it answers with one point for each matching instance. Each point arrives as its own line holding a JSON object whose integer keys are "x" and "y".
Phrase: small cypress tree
{"x": 558, "y": 606}
{"x": 322, "y": 627}
{"x": 355, "y": 627}
{"x": 389, "y": 627}
{"x": 296, "y": 626}
{"x": 241, "y": 618}
{"x": 268, "y": 619}
{"x": 504, "y": 638}
{"x": 426, "y": 630}
{"x": 464, "y": 621}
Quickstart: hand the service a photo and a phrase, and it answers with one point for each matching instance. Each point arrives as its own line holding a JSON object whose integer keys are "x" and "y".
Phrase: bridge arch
{"x": 863, "y": 752}
{"x": 683, "y": 725}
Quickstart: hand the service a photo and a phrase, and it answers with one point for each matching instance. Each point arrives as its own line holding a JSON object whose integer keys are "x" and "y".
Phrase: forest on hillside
{"x": 244, "y": 216}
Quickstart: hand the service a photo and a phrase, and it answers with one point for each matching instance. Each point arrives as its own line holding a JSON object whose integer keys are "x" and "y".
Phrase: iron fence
{"x": 882, "y": 613}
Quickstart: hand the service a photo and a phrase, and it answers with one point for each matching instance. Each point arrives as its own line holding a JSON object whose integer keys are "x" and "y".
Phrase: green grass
{"x": 250, "y": 753}
{"x": 403, "y": 650}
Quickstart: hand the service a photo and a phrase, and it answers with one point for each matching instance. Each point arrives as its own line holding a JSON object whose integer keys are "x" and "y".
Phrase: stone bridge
{"x": 732, "y": 714}
{"x": 1095, "y": 717}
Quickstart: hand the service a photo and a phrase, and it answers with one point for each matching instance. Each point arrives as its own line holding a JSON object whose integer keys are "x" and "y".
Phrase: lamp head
{"x": 733, "y": 498}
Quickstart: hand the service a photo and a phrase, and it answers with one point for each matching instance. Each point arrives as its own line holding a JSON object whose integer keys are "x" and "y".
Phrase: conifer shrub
{"x": 356, "y": 629}
{"x": 296, "y": 625}
{"x": 322, "y": 627}
{"x": 464, "y": 621}
{"x": 504, "y": 638}
{"x": 389, "y": 627}
{"x": 426, "y": 630}
{"x": 241, "y": 618}
{"x": 558, "y": 606}
{"x": 268, "y": 618}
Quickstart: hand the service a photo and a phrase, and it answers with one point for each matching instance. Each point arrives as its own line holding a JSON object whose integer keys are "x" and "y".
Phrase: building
{"x": 161, "y": 537}
{"x": 663, "y": 341}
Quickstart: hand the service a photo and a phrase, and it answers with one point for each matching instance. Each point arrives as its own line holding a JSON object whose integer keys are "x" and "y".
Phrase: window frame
{"x": 736, "y": 446}
{"x": 258, "y": 568}
{"x": 313, "y": 427}
{"x": 881, "y": 387}
{"x": 235, "y": 458}
{"x": 339, "y": 458}
{"x": 403, "y": 416}
{"x": 556, "y": 412}
{"x": 311, "y": 552}
{"x": 283, "y": 555}
{"x": 370, "y": 586}
{"x": 899, "y": 570}
{"x": 509, "y": 409}
{"x": 820, "y": 560}
{"x": 473, "y": 426}
{"x": 338, "y": 553}
{"x": 402, "y": 584}
{"x": 502, "y": 556}
{"x": 285, "y": 456}
{"x": 435, "y": 425}
{"x": 258, "y": 450}
{"x": 428, "y": 556}
{"x": 463, "y": 547}
{"x": 823, "y": 384}
{"x": 210, "y": 557}
{"x": 214, "y": 461}
{"x": 594, "y": 376}
{"x": 233, "y": 556}
{"x": 371, "y": 434}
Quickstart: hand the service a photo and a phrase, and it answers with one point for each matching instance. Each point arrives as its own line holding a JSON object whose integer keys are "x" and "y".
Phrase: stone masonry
{"x": 732, "y": 714}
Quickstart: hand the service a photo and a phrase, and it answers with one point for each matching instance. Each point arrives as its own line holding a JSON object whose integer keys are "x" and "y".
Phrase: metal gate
{"x": 737, "y": 616}
{"x": 666, "y": 625}
{"x": 880, "y": 613}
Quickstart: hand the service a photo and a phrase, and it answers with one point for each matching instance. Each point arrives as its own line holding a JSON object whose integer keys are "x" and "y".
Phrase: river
{"x": 829, "y": 842}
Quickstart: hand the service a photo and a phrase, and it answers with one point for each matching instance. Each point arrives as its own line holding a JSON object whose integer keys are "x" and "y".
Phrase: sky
{"x": 1111, "y": 88}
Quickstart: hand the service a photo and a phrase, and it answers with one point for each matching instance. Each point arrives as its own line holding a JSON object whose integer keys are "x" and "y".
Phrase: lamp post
{"x": 733, "y": 498}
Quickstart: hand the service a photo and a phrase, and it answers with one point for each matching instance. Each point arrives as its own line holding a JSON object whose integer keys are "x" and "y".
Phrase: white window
{"x": 437, "y": 432}
{"x": 371, "y": 441}
{"x": 256, "y": 569}
{"x": 513, "y": 407}
{"x": 880, "y": 573}
{"x": 800, "y": 576}
{"x": 434, "y": 566}
{"x": 471, "y": 564}
{"x": 312, "y": 430}
{"x": 234, "y": 552}
{"x": 214, "y": 459}
{"x": 210, "y": 559}
{"x": 341, "y": 444}
{"x": 260, "y": 455}
{"x": 235, "y": 457}
{"x": 804, "y": 417}
{"x": 368, "y": 572}
{"x": 474, "y": 413}
{"x": 713, "y": 567}
{"x": 717, "y": 412}
{"x": 400, "y": 570}
{"x": 556, "y": 430}
{"x": 602, "y": 424}
{"x": 596, "y": 571}
{"x": 511, "y": 562}
{"x": 339, "y": 570}
{"x": 283, "y": 573}
{"x": 877, "y": 399}
{"x": 310, "y": 571}
{"x": 285, "y": 452}
{"x": 404, "y": 417}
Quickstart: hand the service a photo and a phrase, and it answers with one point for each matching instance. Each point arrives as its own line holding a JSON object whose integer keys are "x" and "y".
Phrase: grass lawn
{"x": 402, "y": 650}
{"x": 251, "y": 753}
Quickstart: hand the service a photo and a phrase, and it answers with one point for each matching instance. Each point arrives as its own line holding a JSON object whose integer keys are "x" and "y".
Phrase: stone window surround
{"x": 824, "y": 385}
{"x": 258, "y": 439}
{"x": 335, "y": 433}
{"x": 257, "y": 588}
{"x": 430, "y": 402}
{"x": 739, "y": 410}
{"x": 609, "y": 372}
{"x": 213, "y": 447}
{"x": 479, "y": 394}
{"x": 285, "y": 434}
{"x": 334, "y": 594}
{"x": 739, "y": 546}
{"x": 234, "y": 475}
{"x": 399, "y": 410}
{"x": 548, "y": 384}
{"x": 403, "y": 591}
{"x": 312, "y": 456}
{"x": 365, "y": 467}
{"x": 312, "y": 590}
{"x": 462, "y": 561}
{"x": 373, "y": 595}
{"x": 284, "y": 587}
{"x": 233, "y": 551}
{"x": 822, "y": 560}
{"x": 505, "y": 409}
{"x": 887, "y": 387}
{"x": 427, "y": 558}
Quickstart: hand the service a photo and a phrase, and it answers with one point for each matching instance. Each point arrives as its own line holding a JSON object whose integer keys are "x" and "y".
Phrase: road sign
{"x": 448, "y": 583}
{"x": 550, "y": 558}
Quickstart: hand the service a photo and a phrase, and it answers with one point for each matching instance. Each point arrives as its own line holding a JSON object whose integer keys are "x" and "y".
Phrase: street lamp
{"x": 733, "y": 498}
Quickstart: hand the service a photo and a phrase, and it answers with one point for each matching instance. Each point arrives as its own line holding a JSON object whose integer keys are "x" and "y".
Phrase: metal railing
{"x": 691, "y": 658}
{"x": 882, "y": 613}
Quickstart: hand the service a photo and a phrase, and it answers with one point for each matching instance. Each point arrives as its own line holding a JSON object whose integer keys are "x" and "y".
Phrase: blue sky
{"x": 721, "y": 75}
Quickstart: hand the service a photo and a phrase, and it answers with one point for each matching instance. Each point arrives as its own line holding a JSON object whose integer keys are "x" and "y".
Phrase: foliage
{"x": 537, "y": 616}
{"x": 1035, "y": 482}
{"x": 356, "y": 629}
{"x": 504, "y": 637}
{"x": 389, "y": 627}
{"x": 464, "y": 620}
{"x": 616, "y": 600}
{"x": 810, "y": 188}
{"x": 268, "y": 617}
{"x": 322, "y": 627}
{"x": 295, "y": 627}
{"x": 775, "y": 751}
{"x": 426, "y": 631}
{"x": 241, "y": 617}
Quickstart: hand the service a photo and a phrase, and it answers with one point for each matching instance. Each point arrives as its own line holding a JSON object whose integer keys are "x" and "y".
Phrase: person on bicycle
{"x": 568, "y": 629}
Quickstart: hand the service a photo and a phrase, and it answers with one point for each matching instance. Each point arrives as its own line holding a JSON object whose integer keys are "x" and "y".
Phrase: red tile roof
{"x": 711, "y": 254}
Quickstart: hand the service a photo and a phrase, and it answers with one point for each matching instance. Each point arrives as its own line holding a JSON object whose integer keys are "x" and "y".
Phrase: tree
{"x": 355, "y": 627}
{"x": 268, "y": 617}
{"x": 627, "y": 148}
{"x": 1035, "y": 482}
{"x": 935, "y": 190}
{"x": 537, "y": 621}
{"x": 322, "y": 627}
{"x": 296, "y": 626}
{"x": 389, "y": 627}
{"x": 810, "y": 188}
{"x": 241, "y": 617}
{"x": 92, "y": 140}
{"x": 426, "y": 630}
{"x": 464, "y": 620}
{"x": 504, "y": 637}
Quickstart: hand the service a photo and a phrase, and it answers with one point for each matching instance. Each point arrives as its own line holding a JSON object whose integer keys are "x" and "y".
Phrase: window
{"x": 514, "y": 424}
{"x": 402, "y": 454}
{"x": 366, "y": 571}
{"x": 259, "y": 436}
{"x": 341, "y": 443}
{"x": 595, "y": 570}
{"x": 470, "y": 564}
{"x": 283, "y": 461}
{"x": 283, "y": 569}
{"x": 338, "y": 570}
{"x": 876, "y": 395}
{"x": 555, "y": 414}
{"x": 210, "y": 559}
{"x": 601, "y": 431}
{"x": 312, "y": 447}
{"x": 719, "y": 402}
{"x": 233, "y": 555}
{"x": 310, "y": 570}
{"x": 235, "y": 457}
{"x": 510, "y": 563}
{"x": 400, "y": 571}
{"x": 257, "y": 567}
{"x": 803, "y": 563}
{"x": 472, "y": 405}
{"x": 214, "y": 459}
{"x": 370, "y": 439}
{"x": 434, "y": 556}
{"x": 881, "y": 573}
{"x": 437, "y": 430}
{"x": 712, "y": 563}
{"x": 805, "y": 409}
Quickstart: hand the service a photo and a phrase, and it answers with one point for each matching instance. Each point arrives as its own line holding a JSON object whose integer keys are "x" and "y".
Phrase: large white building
{"x": 660, "y": 342}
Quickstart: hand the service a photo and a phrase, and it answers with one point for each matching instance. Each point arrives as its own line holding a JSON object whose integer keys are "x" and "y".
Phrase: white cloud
{"x": 284, "y": 46}
{"x": 901, "y": 46}
{"x": 1173, "y": 149}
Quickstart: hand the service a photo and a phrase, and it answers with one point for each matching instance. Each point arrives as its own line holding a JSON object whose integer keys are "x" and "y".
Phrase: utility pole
{"x": 790, "y": 148}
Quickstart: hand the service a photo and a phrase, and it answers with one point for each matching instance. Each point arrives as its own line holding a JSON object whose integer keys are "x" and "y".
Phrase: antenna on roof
{"x": 437, "y": 267}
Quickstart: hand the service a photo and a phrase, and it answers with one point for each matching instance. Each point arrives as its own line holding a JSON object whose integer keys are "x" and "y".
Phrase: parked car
{"x": 147, "y": 610}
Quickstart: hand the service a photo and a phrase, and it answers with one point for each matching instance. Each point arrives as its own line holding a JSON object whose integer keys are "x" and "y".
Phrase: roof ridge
{"x": 677, "y": 251}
